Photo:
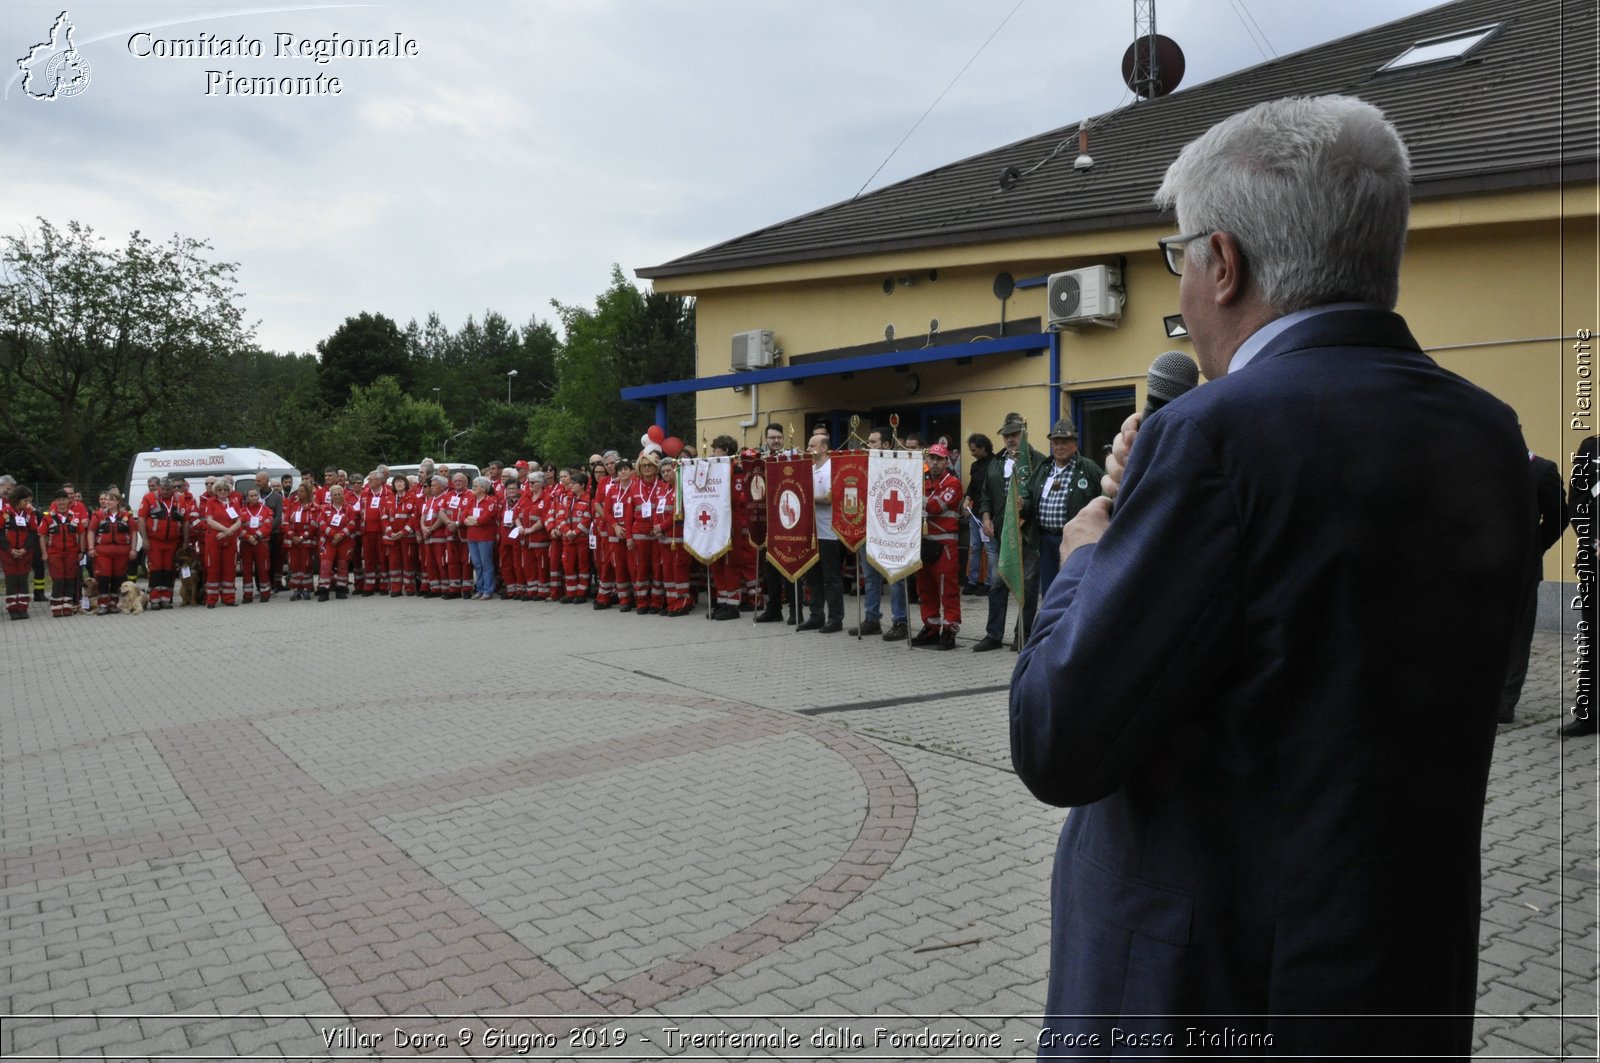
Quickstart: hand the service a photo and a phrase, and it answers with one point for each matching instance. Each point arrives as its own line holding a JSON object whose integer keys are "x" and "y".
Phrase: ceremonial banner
{"x": 850, "y": 499}
{"x": 707, "y": 485}
{"x": 1011, "y": 566}
{"x": 894, "y": 512}
{"x": 791, "y": 516}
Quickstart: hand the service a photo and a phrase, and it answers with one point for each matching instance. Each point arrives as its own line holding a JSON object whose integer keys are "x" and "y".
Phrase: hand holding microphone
{"x": 1171, "y": 374}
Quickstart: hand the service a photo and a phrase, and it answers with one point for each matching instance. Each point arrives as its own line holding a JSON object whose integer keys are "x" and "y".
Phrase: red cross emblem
{"x": 705, "y": 517}
{"x": 893, "y": 507}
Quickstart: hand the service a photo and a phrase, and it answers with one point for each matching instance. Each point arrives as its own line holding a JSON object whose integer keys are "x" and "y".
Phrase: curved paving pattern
{"x": 375, "y": 872}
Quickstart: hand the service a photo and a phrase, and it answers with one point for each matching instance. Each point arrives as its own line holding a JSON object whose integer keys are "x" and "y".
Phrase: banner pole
{"x": 795, "y": 585}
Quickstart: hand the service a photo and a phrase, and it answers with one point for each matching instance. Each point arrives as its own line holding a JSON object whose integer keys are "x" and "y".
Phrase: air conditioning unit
{"x": 1092, "y": 295}
{"x": 753, "y": 350}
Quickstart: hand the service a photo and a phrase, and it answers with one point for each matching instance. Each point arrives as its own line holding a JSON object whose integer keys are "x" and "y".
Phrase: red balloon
{"x": 672, "y": 446}
{"x": 656, "y": 434}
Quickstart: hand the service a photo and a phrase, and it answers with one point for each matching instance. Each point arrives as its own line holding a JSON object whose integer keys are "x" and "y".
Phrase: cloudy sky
{"x": 527, "y": 146}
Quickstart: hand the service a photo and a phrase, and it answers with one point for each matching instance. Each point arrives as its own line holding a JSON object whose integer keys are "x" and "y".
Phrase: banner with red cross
{"x": 894, "y": 512}
{"x": 791, "y": 516}
{"x": 850, "y": 499}
{"x": 707, "y": 485}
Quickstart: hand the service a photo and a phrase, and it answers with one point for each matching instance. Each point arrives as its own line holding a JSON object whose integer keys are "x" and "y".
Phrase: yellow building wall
{"x": 1494, "y": 287}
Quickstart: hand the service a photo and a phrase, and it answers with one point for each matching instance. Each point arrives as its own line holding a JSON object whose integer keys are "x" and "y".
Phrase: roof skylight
{"x": 1440, "y": 49}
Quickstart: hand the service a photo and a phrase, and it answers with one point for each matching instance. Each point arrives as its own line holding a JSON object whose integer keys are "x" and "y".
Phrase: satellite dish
{"x": 888, "y": 331}
{"x": 1169, "y": 66}
{"x": 1009, "y": 178}
{"x": 1004, "y": 285}
{"x": 933, "y": 326}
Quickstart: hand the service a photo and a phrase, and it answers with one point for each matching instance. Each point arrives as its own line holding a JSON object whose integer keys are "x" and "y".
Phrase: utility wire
{"x": 941, "y": 96}
{"x": 1248, "y": 32}
{"x": 1259, "y": 30}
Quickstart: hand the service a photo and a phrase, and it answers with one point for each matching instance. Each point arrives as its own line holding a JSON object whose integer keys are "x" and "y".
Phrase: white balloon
{"x": 644, "y": 440}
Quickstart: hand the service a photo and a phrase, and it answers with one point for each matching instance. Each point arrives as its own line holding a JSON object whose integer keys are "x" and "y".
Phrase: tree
{"x": 628, "y": 338}
{"x": 358, "y": 353}
{"x": 381, "y": 423}
{"x": 96, "y": 343}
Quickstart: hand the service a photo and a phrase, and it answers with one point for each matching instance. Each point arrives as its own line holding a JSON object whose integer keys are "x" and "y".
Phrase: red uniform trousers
{"x": 615, "y": 571}
{"x": 727, "y": 574}
{"x": 64, "y": 570}
{"x": 161, "y": 561}
{"x": 675, "y": 573}
{"x": 255, "y": 565}
{"x": 110, "y": 569}
{"x": 647, "y": 590}
{"x": 18, "y": 574}
{"x": 556, "y": 574}
{"x": 221, "y": 561}
{"x": 508, "y": 563}
{"x": 536, "y": 568}
{"x": 334, "y": 561}
{"x": 400, "y": 565}
{"x": 939, "y": 590}
{"x": 373, "y": 562}
{"x": 302, "y": 565}
{"x": 458, "y": 570}
{"x": 749, "y": 559}
{"x": 575, "y": 565}
{"x": 435, "y": 556}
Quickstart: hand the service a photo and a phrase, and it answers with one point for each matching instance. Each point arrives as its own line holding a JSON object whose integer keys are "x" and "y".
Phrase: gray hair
{"x": 1315, "y": 189}
{"x": 484, "y": 482}
{"x": 440, "y": 480}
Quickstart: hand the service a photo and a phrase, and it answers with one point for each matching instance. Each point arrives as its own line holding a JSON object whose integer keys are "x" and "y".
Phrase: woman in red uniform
{"x": 110, "y": 543}
{"x": 163, "y": 523}
{"x": 340, "y": 523}
{"x": 220, "y": 523}
{"x": 509, "y": 550}
{"x": 398, "y": 517}
{"x": 480, "y": 523}
{"x": 648, "y": 594}
{"x": 668, "y": 524}
{"x": 17, "y": 538}
{"x": 255, "y": 546}
{"x": 61, "y": 533}
{"x": 577, "y": 517}
{"x": 300, "y": 539}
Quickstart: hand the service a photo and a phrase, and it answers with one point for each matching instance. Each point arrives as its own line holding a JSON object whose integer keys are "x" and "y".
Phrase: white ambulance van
{"x": 195, "y": 465}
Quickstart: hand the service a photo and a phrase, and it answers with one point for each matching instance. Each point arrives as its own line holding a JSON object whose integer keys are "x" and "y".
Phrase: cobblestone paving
{"x": 351, "y": 829}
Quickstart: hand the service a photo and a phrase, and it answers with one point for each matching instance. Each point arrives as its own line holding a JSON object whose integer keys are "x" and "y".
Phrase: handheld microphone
{"x": 1171, "y": 374}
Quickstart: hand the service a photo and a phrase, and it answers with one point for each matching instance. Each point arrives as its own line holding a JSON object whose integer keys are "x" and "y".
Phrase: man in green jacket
{"x": 1069, "y": 481}
{"x": 995, "y": 511}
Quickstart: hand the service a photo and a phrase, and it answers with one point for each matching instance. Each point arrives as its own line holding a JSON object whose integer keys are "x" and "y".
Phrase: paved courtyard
{"x": 385, "y": 827}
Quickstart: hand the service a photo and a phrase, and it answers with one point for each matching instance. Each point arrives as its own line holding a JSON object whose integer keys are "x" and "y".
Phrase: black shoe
{"x": 868, "y": 627}
{"x": 985, "y": 644}
{"x": 814, "y": 624}
{"x": 1578, "y": 728}
{"x": 832, "y": 627}
{"x": 322, "y": 594}
{"x": 790, "y": 620}
{"x": 340, "y": 593}
{"x": 601, "y": 605}
{"x": 769, "y": 616}
{"x": 926, "y": 637}
{"x": 895, "y": 633}
{"x": 725, "y": 612}
{"x": 947, "y": 640}
{"x": 627, "y": 607}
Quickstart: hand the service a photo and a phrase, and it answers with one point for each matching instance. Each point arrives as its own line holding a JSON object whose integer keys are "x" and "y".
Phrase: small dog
{"x": 188, "y": 586}
{"x": 130, "y": 598}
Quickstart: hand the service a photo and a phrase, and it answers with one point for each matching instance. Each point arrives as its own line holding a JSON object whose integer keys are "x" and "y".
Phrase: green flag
{"x": 1011, "y": 531}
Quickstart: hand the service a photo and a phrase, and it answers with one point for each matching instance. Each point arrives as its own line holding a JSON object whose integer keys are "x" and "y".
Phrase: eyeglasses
{"x": 1172, "y": 248}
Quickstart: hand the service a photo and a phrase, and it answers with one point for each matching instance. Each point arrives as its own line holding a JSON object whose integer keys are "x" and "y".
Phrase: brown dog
{"x": 187, "y": 559}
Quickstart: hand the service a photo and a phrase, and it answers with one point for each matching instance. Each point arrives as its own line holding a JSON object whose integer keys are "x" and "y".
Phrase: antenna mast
{"x": 1146, "y": 76}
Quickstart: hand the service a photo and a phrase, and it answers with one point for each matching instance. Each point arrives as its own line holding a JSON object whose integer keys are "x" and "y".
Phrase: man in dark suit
{"x": 1271, "y": 681}
{"x": 1550, "y": 518}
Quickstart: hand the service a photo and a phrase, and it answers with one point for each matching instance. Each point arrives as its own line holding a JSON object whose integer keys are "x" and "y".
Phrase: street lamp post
{"x": 509, "y": 374}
